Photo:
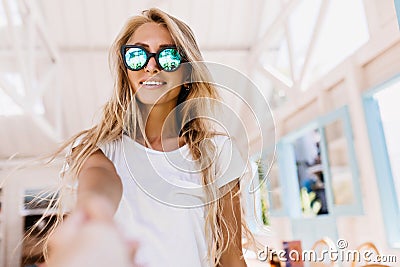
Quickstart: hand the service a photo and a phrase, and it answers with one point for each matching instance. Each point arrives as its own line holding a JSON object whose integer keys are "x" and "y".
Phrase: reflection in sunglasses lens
{"x": 135, "y": 58}
{"x": 169, "y": 59}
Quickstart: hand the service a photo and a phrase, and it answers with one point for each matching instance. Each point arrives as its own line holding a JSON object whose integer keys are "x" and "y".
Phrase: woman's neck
{"x": 161, "y": 125}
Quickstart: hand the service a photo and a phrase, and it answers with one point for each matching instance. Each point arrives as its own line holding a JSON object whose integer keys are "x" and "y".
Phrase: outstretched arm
{"x": 98, "y": 177}
{"x": 89, "y": 236}
{"x": 89, "y": 239}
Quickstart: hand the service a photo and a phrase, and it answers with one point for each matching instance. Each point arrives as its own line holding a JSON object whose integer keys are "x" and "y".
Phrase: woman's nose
{"x": 152, "y": 65}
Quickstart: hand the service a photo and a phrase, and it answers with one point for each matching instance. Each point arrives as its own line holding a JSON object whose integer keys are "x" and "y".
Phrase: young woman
{"x": 155, "y": 158}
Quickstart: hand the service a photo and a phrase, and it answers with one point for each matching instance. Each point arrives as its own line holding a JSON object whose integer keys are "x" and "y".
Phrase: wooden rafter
{"x": 311, "y": 47}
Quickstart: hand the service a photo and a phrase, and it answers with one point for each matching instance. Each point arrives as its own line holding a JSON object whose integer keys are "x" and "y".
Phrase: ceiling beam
{"x": 311, "y": 47}
{"x": 276, "y": 77}
{"x": 286, "y": 10}
{"x": 259, "y": 17}
{"x": 289, "y": 43}
{"x": 280, "y": 21}
{"x": 17, "y": 45}
{"x": 12, "y": 93}
{"x": 28, "y": 108}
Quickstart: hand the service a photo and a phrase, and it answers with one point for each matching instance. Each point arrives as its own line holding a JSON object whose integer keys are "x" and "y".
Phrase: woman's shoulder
{"x": 110, "y": 147}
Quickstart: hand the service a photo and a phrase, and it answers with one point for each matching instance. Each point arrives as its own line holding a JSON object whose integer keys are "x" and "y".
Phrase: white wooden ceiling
{"x": 68, "y": 64}
{"x": 54, "y": 75}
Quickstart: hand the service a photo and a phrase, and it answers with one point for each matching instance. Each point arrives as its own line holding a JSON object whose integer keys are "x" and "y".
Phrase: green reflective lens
{"x": 135, "y": 58}
{"x": 169, "y": 59}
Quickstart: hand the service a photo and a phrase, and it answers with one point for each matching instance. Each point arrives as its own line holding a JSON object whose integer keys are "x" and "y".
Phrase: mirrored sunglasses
{"x": 136, "y": 57}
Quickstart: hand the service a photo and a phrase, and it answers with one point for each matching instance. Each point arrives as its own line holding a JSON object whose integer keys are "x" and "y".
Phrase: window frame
{"x": 288, "y": 168}
{"x": 383, "y": 170}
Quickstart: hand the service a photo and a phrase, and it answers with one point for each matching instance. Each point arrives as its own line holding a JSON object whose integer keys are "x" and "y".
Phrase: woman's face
{"x": 151, "y": 84}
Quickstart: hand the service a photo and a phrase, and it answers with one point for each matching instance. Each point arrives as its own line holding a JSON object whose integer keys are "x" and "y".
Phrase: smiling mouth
{"x": 152, "y": 83}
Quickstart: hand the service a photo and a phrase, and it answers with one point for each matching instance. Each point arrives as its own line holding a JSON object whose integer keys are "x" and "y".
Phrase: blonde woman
{"x": 171, "y": 180}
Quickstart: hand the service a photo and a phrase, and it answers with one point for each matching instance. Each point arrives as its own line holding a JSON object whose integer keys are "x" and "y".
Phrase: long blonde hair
{"x": 120, "y": 108}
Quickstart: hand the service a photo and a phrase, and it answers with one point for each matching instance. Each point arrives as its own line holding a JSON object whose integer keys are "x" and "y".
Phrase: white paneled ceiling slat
{"x": 197, "y": 20}
{"x": 5, "y": 36}
{"x": 269, "y": 12}
{"x": 103, "y": 84}
{"x": 231, "y": 58}
{"x": 237, "y": 32}
{"x": 69, "y": 104}
{"x": 76, "y": 23}
{"x": 5, "y": 39}
{"x": 54, "y": 19}
{"x": 83, "y": 93}
{"x": 59, "y": 22}
{"x": 117, "y": 13}
{"x": 218, "y": 27}
{"x": 26, "y": 139}
{"x": 18, "y": 141}
{"x": 167, "y": 6}
{"x": 181, "y": 9}
{"x": 88, "y": 90}
{"x": 161, "y": 4}
{"x": 21, "y": 128}
{"x": 97, "y": 33}
{"x": 257, "y": 19}
{"x": 47, "y": 144}
{"x": 6, "y": 138}
{"x": 133, "y": 7}
{"x": 52, "y": 100}
{"x": 71, "y": 111}
{"x": 91, "y": 86}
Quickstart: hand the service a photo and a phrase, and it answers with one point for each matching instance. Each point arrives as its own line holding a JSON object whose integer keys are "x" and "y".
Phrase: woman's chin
{"x": 153, "y": 98}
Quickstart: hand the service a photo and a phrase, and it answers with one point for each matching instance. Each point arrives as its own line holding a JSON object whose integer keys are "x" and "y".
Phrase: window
{"x": 38, "y": 202}
{"x": 383, "y": 122}
{"x": 301, "y": 29}
{"x": 319, "y": 170}
{"x": 311, "y": 178}
{"x": 343, "y": 30}
{"x": 339, "y": 164}
{"x": 271, "y": 187}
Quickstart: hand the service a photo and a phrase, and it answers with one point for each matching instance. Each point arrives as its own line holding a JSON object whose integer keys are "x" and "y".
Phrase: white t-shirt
{"x": 162, "y": 206}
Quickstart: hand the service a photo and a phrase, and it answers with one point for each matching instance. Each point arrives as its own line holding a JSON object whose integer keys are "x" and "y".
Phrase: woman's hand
{"x": 89, "y": 237}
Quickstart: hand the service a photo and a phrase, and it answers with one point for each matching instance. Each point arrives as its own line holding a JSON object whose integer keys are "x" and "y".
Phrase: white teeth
{"x": 152, "y": 83}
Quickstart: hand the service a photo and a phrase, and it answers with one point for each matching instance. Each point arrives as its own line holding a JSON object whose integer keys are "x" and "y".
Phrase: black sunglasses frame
{"x": 149, "y": 55}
